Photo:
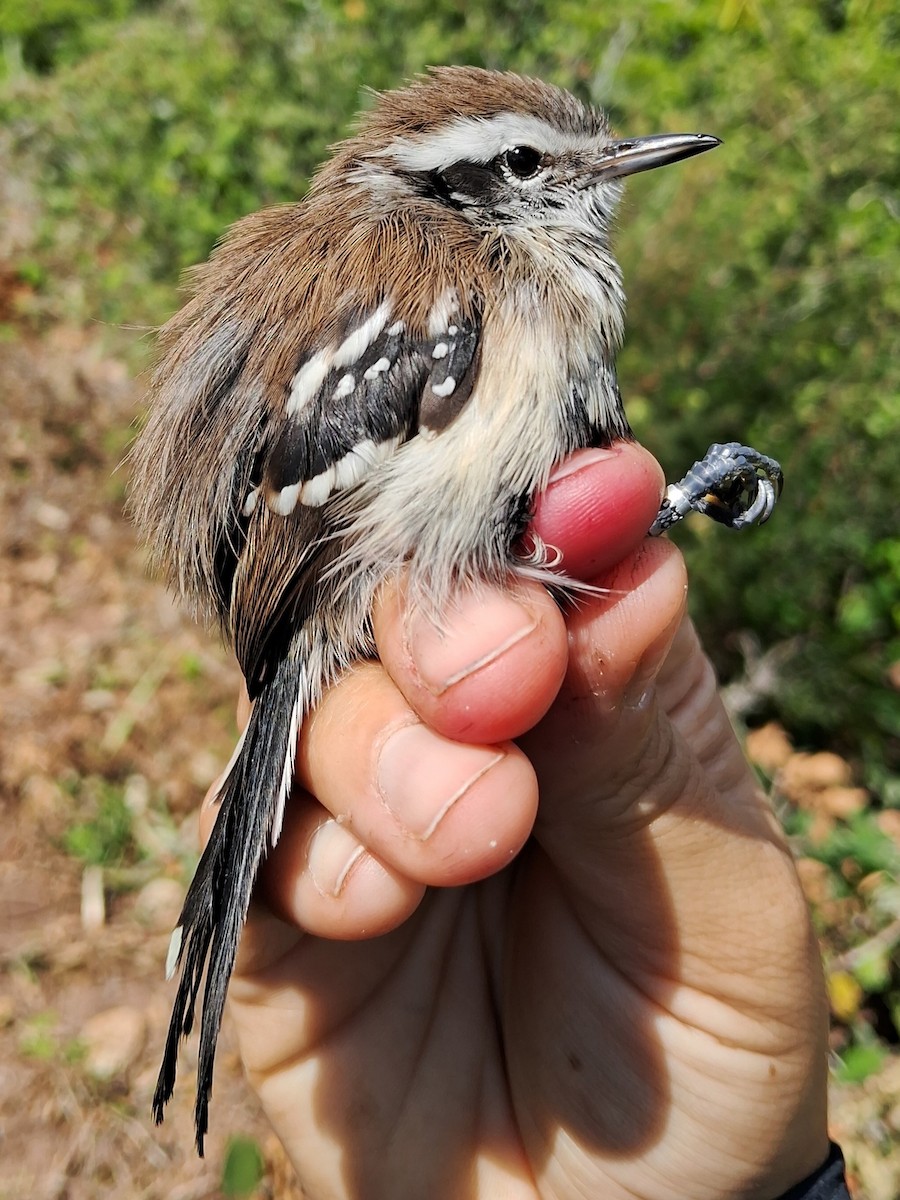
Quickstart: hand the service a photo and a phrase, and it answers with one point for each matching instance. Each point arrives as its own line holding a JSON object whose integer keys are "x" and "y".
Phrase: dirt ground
{"x": 105, "y": 691}
{"x": 113, "y": 702}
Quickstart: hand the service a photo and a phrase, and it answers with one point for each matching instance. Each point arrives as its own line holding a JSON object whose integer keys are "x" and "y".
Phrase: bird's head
{"x": 503, "y": 151}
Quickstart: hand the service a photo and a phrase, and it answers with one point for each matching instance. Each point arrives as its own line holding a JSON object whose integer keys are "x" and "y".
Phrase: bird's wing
{"x": 347, "y": 410}
{"x": 350, "y": 406}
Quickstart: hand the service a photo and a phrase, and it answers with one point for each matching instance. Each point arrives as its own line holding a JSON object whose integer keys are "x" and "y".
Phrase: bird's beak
{"x": 628, "y": 156}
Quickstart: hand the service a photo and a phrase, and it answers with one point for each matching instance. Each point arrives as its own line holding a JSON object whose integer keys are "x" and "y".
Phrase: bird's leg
{"x": 735, "y": 485}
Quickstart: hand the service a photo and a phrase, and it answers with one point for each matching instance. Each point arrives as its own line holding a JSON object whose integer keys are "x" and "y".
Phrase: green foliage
{"x": 768, "y": 313}
{"x": 43, "y": 37}
{"x": 859, "y": 1061}
{"x": 243, "y": 1167}
{"x": 763, "y": 279}
{"x": 861, "y": 842}
{"x": 857, "y": 917}
{"x": 103, "y": 835}
{"x": 39, "y": 1039}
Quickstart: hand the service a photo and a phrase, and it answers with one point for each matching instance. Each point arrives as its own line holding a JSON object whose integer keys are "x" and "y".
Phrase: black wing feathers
{"x": 217, "y": 900}
{"x": 376, "y": 401}
{"x": 453, "y": 374}
{"x": 274, "y": 585}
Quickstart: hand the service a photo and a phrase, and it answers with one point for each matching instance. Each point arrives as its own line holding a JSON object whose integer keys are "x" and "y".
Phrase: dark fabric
{"x": 828, "y": 1183}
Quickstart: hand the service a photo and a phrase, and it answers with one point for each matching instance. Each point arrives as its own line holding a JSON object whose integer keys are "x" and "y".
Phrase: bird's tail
{"x": 251, "y": 805}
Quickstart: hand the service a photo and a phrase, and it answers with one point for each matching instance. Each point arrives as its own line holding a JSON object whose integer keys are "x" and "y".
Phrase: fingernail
{"x": 421, "y": 776}
{"x": 580, "y": 461}
{"x": 333, "y": 853}
{"x": 479, "y": 628}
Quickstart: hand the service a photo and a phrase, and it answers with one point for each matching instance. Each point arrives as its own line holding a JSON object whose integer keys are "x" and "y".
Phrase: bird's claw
{"x": 735, "y": 485}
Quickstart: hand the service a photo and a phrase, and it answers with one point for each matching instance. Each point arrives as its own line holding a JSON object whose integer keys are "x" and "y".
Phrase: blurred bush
{"x": 763, "y": 279}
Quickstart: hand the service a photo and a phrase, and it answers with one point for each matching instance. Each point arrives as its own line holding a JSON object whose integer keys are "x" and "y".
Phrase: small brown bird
{"x": 379, "y": 377}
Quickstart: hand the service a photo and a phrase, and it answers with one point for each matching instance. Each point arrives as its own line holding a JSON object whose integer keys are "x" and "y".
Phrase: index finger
{"x": 492, "y": 666}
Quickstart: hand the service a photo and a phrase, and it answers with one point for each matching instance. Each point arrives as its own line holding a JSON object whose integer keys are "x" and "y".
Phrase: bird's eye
{"x": 522, "y": 161}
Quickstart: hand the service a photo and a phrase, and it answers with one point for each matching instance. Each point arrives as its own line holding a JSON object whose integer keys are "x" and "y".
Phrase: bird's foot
{"x": 735, "y": 485}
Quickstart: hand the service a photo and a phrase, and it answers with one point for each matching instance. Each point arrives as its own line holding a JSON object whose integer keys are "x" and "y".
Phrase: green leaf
{"x": 859, "y": 1062}
{"x": 104, "y": 838}
{"x": 243, "y": 1168}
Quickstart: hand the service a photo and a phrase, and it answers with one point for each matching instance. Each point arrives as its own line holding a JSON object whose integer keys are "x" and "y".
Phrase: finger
{"x": 487, "y": 671}
{"x": 605, "y": 712}
{"x": 598, "y": 506}
{"x": 432, "y": 809}
{"x": 321, "y": 878}
{"x": 492, "y": 666}
{"x": 423, "y": 809}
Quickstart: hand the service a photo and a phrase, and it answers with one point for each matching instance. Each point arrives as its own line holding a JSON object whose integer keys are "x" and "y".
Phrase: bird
{"x": 381, "y": 377}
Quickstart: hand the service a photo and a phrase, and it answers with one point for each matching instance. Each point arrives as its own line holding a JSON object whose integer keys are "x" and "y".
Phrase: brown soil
{"x": 104, "y": 689}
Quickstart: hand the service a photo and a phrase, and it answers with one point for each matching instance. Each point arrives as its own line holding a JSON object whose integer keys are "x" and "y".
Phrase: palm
{"x": 569, "y": 1026}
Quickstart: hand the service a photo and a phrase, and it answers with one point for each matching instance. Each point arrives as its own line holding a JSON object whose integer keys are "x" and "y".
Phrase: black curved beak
{"x": 628, "y": 156}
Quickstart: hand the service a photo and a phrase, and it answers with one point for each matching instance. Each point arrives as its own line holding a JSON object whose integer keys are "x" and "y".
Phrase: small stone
{"x": 888, "y": 821}
{"x": 815, "y": 879}
{"x": 93, "y": 899}
{"x": 113, "y": 1040}
{"x": 820, "y": 829}
{"x": 52, "y": 517}
{"x": 842, "y": 802}
{"x": 768, "y": 747}
{"x": 804, "y": 777}
{"x": 158, "y": 904}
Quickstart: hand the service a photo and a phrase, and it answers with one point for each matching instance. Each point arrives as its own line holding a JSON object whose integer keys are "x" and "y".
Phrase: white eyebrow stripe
{"x": 481, "y": 139}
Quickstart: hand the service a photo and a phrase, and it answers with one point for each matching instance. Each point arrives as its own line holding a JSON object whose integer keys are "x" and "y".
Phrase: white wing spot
{"x": 396, "y": 329}
{"x": 440, "y": 350}
{"x": 285, "y": 501}
{"x": 453, "y": 330}
{"x": 447, "y": 388}
{"x": 445, "y": 306}
{"x": 345, "y": 386}
{"x": 361, "y": 460}
{"x": 287, "y": 771}
{"x": 250, "y": 503}
{"x": 306, "y": 383}
{"x": 316, "y": 491}
{"x": 174, "y": 950}
{"x": 378, "y": 368}
{"x": 356, "y": 343}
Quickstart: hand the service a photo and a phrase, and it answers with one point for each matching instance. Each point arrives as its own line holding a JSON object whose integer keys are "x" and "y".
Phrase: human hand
{"x": 445, "y": 992}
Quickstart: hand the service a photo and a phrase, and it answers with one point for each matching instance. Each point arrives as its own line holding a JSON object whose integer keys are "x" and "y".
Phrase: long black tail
{"x": 217, "y": 900}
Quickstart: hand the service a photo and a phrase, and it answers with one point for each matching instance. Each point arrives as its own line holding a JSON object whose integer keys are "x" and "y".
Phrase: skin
{"x": 446, "y": 991}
